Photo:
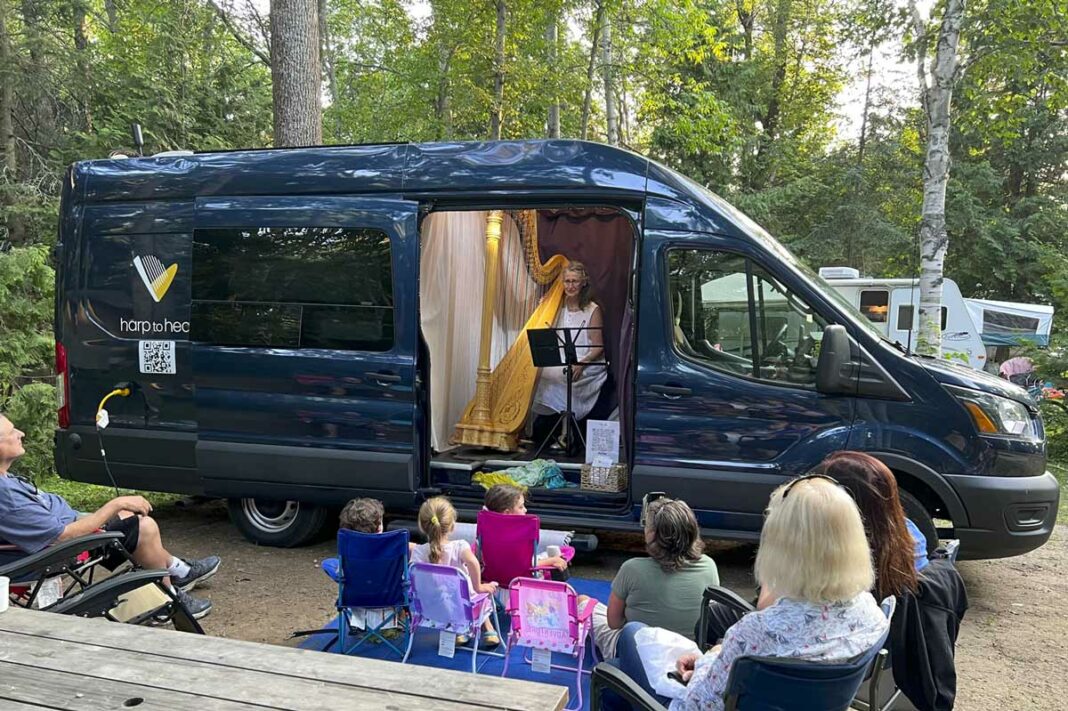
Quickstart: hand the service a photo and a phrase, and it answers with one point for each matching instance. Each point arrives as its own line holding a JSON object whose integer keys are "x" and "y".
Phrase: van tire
{"x": 282, "y": 524}
{"x": 919, "y": 515}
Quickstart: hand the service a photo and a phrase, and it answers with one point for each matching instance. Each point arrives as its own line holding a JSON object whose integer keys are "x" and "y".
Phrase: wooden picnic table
{"x": 61, "y": 662}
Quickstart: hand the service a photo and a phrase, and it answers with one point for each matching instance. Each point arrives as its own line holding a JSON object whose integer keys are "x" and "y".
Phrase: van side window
{"x": 904, "y": 317}
{"x": 875, "y": 305}
{"x": 293, "y": 287}
{"x": 730, "y": 314}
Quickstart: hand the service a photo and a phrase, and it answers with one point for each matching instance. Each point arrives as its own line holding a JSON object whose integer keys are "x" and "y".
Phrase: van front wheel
{"x": 919, "y": 515}
{"x": 283, "y": 524}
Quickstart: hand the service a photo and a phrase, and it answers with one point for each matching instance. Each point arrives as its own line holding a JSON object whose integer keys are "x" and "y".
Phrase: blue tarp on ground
{"x": 425, "y": 650}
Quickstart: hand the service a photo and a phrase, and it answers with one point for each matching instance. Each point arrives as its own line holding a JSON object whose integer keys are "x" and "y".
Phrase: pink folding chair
{"x": 441, "y": 599}
{"x": 545, "y": 615}
{"x": 508, "y": 547}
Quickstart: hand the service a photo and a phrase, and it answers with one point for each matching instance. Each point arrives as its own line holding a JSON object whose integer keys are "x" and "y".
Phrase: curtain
{"x": 452, "y": 268}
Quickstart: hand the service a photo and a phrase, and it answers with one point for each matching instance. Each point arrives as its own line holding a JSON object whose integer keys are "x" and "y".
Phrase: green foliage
{"x": 27, "y": 394}
{"x": 26, "y": 284}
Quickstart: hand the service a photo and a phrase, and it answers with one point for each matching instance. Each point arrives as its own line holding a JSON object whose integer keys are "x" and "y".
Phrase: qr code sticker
{"x": 157, "y": 357}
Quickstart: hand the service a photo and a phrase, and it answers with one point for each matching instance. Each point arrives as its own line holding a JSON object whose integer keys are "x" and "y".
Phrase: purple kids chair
{"x": 441, "y": 599}
{"x": 545, "y": 616}
{"x": 508, "y": 547}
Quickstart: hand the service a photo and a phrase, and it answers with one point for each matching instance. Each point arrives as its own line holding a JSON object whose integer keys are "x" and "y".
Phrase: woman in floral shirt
{"x": 814, "y": 568}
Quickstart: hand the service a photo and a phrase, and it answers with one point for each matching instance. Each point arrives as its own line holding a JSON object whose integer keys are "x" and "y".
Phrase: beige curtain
{"x": 451, "y": 275}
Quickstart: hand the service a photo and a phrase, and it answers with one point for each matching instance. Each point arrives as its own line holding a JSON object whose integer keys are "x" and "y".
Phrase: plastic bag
{"x": 659, "y": 649}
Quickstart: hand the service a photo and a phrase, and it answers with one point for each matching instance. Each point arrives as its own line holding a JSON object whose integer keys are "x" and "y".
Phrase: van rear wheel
{"x": 919, "y": 515}
{"x": 283, "y": 524}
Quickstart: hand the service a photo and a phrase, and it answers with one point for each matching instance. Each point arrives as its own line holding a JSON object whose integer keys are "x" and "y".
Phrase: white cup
{"x": 5, "y": 586}
{"x": 552, "y": 551}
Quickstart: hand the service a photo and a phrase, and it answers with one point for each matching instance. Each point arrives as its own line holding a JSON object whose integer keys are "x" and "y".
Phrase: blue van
{"x": 269, "y": 311}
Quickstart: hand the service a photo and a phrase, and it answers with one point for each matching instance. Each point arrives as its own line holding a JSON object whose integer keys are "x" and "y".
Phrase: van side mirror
{"x": 846, "y": 368}
{"x": 833, "y": 369}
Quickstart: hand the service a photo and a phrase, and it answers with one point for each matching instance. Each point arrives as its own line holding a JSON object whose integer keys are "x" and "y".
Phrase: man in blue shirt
{"x": 31, "y": 520}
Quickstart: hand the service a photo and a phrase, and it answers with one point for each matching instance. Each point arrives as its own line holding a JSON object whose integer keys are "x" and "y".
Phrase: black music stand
{"x": 555, "y": 348}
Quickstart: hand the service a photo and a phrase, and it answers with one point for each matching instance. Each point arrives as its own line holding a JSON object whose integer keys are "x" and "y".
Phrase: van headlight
{"x": 995, "y": 415}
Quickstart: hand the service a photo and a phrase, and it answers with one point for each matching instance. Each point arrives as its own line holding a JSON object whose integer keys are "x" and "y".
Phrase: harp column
{"x": 483, "y": 397}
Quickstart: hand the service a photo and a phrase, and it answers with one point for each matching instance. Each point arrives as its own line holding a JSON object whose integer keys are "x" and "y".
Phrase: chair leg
{"x": 507, "y": 653}
{"x": 414, "y": 622}
{"x": 341, "y": 630}
{"x": 474, "y": 649}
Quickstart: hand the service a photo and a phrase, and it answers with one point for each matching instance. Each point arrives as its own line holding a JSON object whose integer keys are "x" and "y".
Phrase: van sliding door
{"x": 304, "y": 347}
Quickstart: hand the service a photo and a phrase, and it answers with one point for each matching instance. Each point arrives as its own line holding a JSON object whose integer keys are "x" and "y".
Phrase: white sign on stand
{"x": 447, "y": 644}
{"x": 541, "y": 660}
{"x": 602, "y": 442}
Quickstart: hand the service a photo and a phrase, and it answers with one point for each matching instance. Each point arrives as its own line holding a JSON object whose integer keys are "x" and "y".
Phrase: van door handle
{"x": 385, "y": 378}
{"x": 671, "y": 391}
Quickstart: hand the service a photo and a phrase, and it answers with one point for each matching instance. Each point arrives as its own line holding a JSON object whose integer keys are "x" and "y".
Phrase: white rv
{"x": 894, "y": 306}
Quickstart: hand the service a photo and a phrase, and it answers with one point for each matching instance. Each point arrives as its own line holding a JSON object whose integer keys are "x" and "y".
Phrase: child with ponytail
{"x": 437, "y": 519}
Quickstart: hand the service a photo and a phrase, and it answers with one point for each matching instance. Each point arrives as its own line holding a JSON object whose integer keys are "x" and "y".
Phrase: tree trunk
{"x": 296, "y": 73}
{"x": 610, "y": 113}
{"x": 758, "y": 175}
{"x": 326, "y": 51}
{"x": 591, "y": 68}
{"x": 938, "y": 94}
{"x": 8, "y": 157}
{"x": 497, "y": 111}
{"x": 81, "y": 46}
{"x": 745, "y": 19}
{"x": 551, "y": 41}
{"x": 443, "y": 101}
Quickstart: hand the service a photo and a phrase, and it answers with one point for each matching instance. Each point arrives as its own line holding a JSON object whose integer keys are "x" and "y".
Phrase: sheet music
{"x": 602, "y": 442}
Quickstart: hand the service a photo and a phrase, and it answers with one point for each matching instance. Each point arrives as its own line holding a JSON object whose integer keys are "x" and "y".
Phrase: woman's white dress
{"x": 551, "y": 394}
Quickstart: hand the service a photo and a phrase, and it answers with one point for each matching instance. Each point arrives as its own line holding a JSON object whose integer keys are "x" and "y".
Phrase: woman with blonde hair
{"x": 580, "y": 312}
{"x": 815, "y": 572}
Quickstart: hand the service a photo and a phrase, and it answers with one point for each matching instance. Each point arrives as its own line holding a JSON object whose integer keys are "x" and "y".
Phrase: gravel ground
{"x": 1010, "y": 655}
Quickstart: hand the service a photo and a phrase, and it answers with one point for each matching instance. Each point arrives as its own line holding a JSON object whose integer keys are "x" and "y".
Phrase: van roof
{"x": 569, "y": 166}
{"x": 548, "y": 170}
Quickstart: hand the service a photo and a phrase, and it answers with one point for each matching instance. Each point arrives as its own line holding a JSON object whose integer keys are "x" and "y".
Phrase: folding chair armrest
{"x": 715, "y": 593}
{"x": 608, "y": 677}
{"x": 477, "y": 598}
{"x": 723, "y": 596}
{"x": 60, "y": 553}
{"x": 100, "y": 597}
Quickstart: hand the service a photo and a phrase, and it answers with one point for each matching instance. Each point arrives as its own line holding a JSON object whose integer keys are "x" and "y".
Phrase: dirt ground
{"x": 1011, "y": 653}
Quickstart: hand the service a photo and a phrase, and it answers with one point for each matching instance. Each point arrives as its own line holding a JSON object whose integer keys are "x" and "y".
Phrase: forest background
{"x": 744, "y": 96}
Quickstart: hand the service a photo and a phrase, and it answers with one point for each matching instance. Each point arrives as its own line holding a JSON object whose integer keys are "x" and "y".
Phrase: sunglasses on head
{"x": 806, "y": 477}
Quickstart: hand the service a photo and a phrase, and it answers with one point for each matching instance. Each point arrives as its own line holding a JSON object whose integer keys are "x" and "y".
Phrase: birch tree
{"x": 936, "y": 93}
{"x": 296, "y": 73}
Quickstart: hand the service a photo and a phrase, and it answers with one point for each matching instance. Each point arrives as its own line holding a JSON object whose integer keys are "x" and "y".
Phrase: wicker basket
{"x": 613, "y": 478}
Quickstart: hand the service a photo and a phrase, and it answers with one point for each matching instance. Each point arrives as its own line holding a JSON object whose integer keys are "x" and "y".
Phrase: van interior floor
{"x": 452, "y": 472}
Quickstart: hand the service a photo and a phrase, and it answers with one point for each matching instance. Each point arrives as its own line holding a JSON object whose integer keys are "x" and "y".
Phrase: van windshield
{"x": 777, "y": 248}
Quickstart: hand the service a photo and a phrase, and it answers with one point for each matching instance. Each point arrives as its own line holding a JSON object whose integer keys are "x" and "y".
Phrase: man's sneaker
{"x": 197, "y": 607}
{"x": 199, "y": 571}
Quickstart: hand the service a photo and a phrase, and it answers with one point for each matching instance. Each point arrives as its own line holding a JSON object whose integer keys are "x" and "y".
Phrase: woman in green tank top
{"x": 663, "y": 590}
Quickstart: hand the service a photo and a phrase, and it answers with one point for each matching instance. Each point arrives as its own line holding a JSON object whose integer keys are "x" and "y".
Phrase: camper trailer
{"x": 892, "y": 306}
{"x": 287, "y": 329}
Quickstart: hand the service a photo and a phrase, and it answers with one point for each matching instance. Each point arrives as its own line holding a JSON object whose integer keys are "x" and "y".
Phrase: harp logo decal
{"x": 156, "y": 277}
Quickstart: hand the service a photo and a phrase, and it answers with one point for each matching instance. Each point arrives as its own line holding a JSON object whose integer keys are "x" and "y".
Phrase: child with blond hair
{"x": 437, "y": 520}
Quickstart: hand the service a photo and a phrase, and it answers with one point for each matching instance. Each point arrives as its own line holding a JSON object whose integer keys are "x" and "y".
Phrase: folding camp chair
{"x": 73, "y": 562}
{"x": 508, "y": 548}
{"x": 545, "y": 615}
{"x": 760, "y": 683}
{"x": 371, "y": 572}
{"x": 441, "y": 599}
{"x": 76, "y": 561}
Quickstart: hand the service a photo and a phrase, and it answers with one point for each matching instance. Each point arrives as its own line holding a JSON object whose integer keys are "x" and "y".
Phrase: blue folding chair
{"x": 763, "y": 683}
{"x": 371, "y": 572}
